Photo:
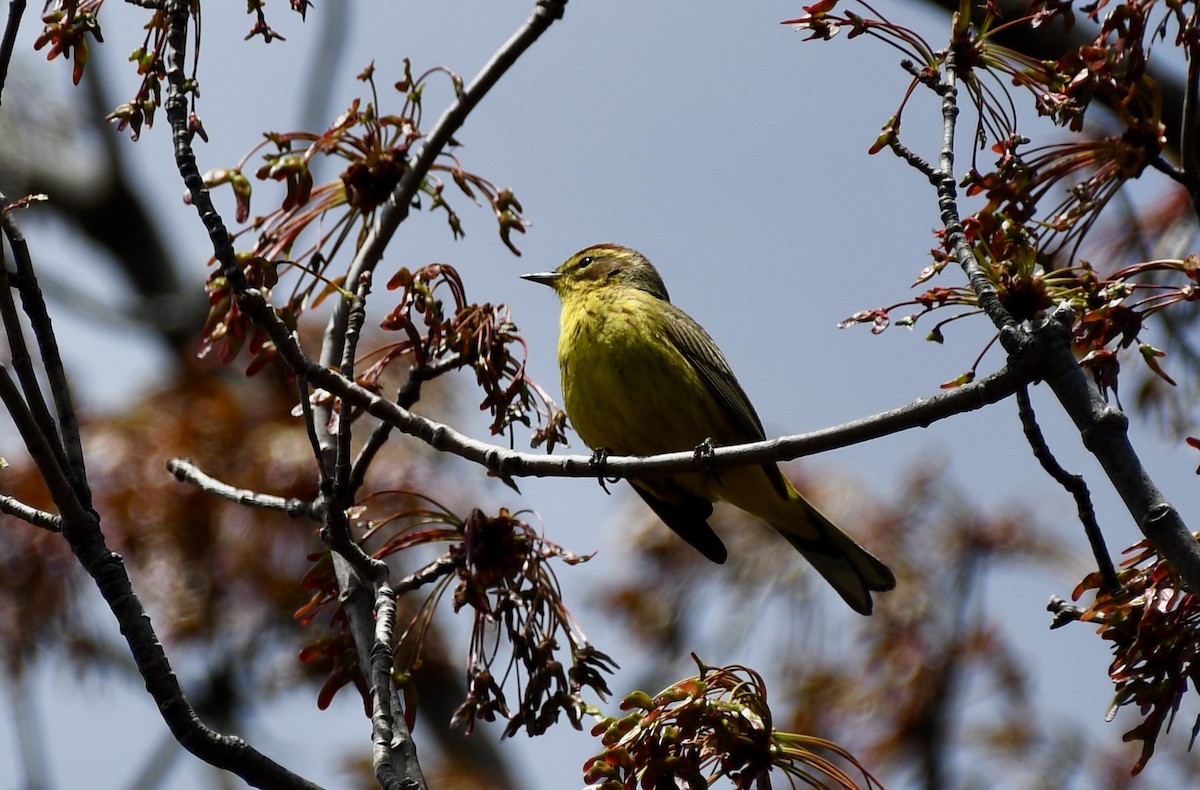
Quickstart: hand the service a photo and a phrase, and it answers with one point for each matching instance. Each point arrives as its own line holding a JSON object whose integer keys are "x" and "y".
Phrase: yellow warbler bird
{"x": 640, "y": 377}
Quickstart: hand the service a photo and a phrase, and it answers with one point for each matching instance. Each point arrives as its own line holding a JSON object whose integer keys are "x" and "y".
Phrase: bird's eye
{"x": 585, "y": 261}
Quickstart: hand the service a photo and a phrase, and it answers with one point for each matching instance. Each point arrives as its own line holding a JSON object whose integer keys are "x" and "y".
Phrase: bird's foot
{"x": 704, "y": 455}
{"x": 599, "y": 459}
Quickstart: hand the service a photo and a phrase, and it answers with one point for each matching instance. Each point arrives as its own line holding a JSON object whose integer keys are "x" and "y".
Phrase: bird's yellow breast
{"x": 626, "y": 387}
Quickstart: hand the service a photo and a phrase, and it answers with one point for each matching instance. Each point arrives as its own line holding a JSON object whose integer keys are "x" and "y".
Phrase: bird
{"x": 640, "y": 377}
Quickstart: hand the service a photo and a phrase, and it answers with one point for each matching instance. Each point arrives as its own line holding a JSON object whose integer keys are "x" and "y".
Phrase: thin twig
{"x": 914, "y": 160}
{"x": 408, "y": 395}
{"x": 336, "y": 534}
{"x": 16, "y": 10}
{"x": 337, "y": 525}
{"x": 430, "y": 573}
{"x": 504, "y": 462}
{"x": 38, "y": 518}
{"x": 1074, "y": 484}
{"x": 1189, "y": 145}
{"x": 342, "y": 490}
{"x": 187, "y": 472}
{"x": 1064, "y": 612}
{"x": 310, "y": 428}
{"x": 947, "y": 191}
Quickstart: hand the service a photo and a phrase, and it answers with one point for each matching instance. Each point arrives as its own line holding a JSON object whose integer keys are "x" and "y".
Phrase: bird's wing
{"x": 687, "y": 516}
{"x": 706, "y": 359}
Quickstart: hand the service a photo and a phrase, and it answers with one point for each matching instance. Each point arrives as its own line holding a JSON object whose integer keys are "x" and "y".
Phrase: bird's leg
{"x": 704, "y": 454}
{"x": 599, "y": 459}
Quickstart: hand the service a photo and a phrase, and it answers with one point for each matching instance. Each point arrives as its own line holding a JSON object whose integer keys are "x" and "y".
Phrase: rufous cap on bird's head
{"x": 604, "y": 265}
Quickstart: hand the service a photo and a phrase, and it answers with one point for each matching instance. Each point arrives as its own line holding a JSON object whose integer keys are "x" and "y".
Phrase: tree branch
{"x": 435, "y": 570}
{"x": 65, "y": 437}
{"x": 395, "y": 211}
{"x": 1104, "y": 429}
{"x": 1045, "y": 348}
{"x": 408, "y": 395}
{"x": 38, "y": 518}
{"x": 1074, "y": 484}
{"x": 336, "y": 531}
{"x": 503, "y": 462}
{"x": 947, "y": 192}
{"x": 388, "y": 743}
{"x": 334, "y": 348}
{"x": 42, "y": 451}
{"x": 16, "y": 10}
{"x": 187, "y": 472}
{"x": 1189, "y": 145}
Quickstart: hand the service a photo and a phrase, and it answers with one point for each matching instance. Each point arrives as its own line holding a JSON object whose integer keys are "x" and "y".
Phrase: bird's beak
{"x": 545, "y": 278}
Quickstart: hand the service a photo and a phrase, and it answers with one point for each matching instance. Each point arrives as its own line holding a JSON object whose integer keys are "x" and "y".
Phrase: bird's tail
{"x": 853, "y": 571}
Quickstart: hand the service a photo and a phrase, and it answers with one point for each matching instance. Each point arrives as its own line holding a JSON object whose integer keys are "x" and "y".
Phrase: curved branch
{"x": 1075, "y": 485}
{"x": 503, "y": 462}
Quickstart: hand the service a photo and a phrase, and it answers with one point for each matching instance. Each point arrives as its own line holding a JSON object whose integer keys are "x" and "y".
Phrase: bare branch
{"x": 38, "y": 518}
{"x": 430, "y": 573}
{"x": 187, "y": 472}
{"x": 1074, "y": 484}
{"x": 409, "y": 394}
{"x": 947, "y": 191}
{"x": 336, "y": 532}
{"x": 504, "y": 462}
{"x": 914, "y": 160}
{"x": 1064, "y": 612}
{"x": 342, "y": 489}
{"x": 310, "y": 428}
{"x": 1189, "y": 145}
{"x": 16, "y": 10}
{"x": 359, "y": 604}
{"x": 1105, "y": 432}
{"x": 388, "y": 742}
{"x": 34, "y": 305}
{"x": 22, "y": 364}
